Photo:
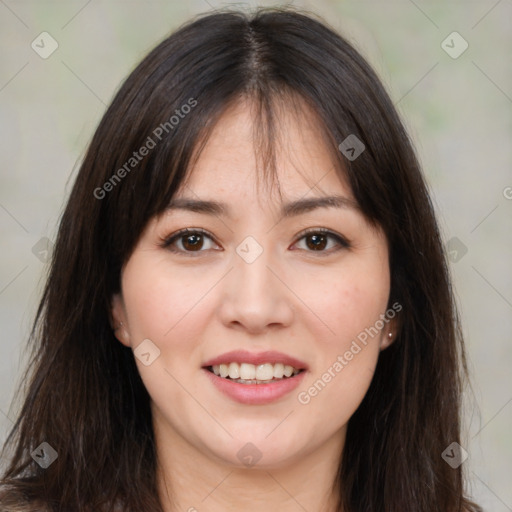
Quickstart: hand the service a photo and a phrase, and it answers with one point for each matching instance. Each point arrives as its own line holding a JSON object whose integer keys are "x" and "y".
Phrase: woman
{"x": 248, "y": 306}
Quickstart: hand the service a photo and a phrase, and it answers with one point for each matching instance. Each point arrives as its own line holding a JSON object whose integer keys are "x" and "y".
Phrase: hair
{"x": 82, "y": 391}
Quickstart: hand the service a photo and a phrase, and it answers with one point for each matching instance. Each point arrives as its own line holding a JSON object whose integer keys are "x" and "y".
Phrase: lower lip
{"x": 255, "y": 394}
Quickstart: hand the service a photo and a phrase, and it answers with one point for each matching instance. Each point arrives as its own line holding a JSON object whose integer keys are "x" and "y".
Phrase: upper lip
{"x": 256, "y": 358}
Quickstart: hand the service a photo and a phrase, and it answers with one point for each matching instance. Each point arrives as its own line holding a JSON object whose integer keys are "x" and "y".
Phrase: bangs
{"x": 267, "y": 112}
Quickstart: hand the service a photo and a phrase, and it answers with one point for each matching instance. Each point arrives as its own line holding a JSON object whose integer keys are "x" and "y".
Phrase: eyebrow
{"x": 291, "y": 209}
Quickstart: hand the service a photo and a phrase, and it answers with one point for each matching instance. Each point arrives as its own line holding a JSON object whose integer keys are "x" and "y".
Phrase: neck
{"x": 191, "y": 480}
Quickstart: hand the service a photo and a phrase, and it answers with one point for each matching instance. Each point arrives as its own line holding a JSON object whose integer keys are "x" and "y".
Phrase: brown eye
{"x": 189, "y": 241}
{"x": 316, "y": 242}
{"x": 192, "y": 242}
{"x": 323, "y": 241}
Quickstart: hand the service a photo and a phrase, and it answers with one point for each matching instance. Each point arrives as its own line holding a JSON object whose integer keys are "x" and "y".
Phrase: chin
{"x": 256, "y": 452}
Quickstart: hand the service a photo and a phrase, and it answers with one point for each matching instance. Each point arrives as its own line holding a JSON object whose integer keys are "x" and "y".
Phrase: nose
{"x": 255, "y": 297}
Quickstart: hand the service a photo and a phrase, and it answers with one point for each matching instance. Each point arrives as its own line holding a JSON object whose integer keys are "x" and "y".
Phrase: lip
{"x": 255, "y": 394}
{"x": 243, "y": 356}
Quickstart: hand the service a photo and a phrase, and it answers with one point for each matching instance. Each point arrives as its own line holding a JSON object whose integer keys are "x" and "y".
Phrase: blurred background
{"x": 448, "y": 69}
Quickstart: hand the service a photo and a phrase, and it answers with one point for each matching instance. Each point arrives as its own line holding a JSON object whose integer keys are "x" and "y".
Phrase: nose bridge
{"x": 251, "y": 266}
{"x": 254, "y": 296}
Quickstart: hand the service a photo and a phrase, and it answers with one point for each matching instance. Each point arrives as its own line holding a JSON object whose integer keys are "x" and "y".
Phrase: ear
{"x": 118, "y": 318}
{"x": 389, "y": 333}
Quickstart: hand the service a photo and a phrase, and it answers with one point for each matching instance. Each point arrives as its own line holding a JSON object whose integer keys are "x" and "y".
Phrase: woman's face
{"x": 258, "y": 286}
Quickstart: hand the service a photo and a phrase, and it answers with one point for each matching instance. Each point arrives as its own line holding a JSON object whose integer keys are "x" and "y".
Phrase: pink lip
{"x": 243, "y": 356}
{"x": 255, "y": 394}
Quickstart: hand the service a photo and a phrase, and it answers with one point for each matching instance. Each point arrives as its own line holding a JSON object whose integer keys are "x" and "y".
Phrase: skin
{"x": 309, "y": 304}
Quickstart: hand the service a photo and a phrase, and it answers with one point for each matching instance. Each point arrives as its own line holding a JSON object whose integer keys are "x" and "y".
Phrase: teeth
{"x": 223, "y": 370}
{"x": 234, "y": 371}
{"x": 265, "y": 372}
{"x": 247, "y": 371}
{"x": 278, "y": 370}
{"x": 252, "y": 374}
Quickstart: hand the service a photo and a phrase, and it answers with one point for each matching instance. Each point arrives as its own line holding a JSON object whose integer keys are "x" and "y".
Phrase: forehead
{"x": 233, "y": 160}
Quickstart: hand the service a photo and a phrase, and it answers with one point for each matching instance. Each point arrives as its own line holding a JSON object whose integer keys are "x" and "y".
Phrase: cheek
{"x": 171, "y": 309}
{"x": 346, "y": 361}
{"x": 166, "y": 308}
{"x": 161, "y": 304}
{"x": 347, "y": 301}
{"x": 350, "y": 304}
{"x": 335, "y": 394}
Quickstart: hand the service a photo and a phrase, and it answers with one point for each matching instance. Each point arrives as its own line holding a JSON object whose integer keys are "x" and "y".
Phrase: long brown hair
{"x": 83, "y": 394}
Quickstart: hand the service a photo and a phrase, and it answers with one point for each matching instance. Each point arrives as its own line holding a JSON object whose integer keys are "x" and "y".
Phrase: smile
{"x": 246, "y": 373}
{"x": 255, "y": 378}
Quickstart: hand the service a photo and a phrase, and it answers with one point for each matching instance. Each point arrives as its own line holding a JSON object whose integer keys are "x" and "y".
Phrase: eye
{"x": 317, "y": 240}
{"x": 188, "y": 241}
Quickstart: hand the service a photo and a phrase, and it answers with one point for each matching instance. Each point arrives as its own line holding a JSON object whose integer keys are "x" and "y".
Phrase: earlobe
{"x": 118, "y": 320}
{"x": 386, "y": 340}
{"x": 389, "y": 334}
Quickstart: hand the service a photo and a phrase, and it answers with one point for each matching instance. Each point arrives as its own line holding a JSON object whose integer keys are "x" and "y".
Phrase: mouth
{"x": 247, "y": 373}
{"x": 255, "y": 378}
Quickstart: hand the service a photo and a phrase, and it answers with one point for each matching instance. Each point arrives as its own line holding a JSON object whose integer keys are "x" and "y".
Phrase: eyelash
{"x": 167, "y": 242}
